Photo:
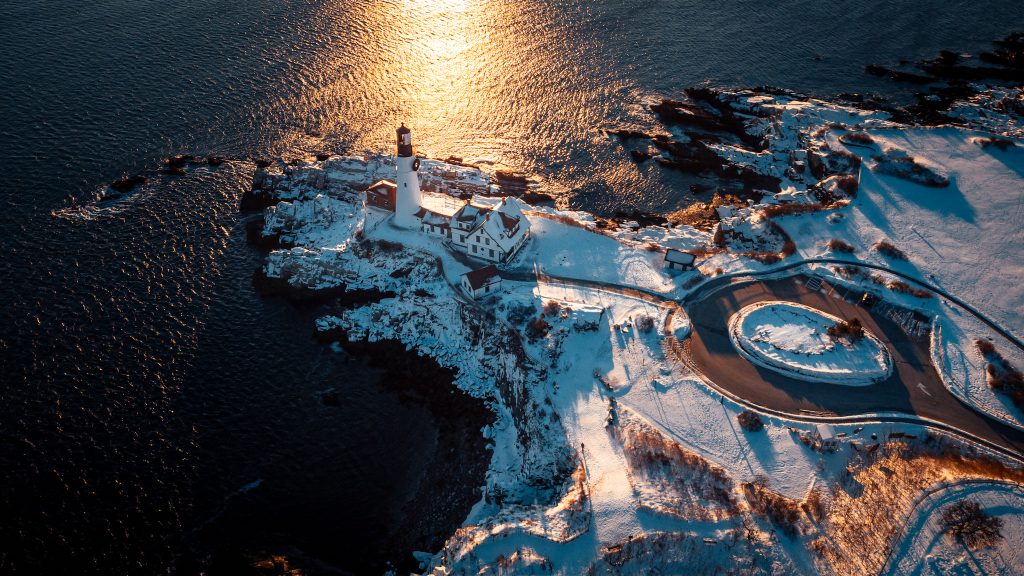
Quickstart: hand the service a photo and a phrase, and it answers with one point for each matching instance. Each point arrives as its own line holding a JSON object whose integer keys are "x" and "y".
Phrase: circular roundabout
{"x": 794, "y": 340}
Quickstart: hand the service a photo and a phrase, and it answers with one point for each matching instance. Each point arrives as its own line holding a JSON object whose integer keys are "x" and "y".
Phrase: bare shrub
{"x": 537, "y": 328}
{"x": 837, "y": 245}
{"x": 888, "y": 249}
{"x": 668, "y": 478}
{"x": 701, "y": 251}
{"x": 850, "y": 329}
{"x": 986, "y": 347}
{"x": 857, "y": 138}
{"x": 764, "y": 257}
{"x": 750, "y": 421}
{"x": 387, "y": 246}
{"x": 552, "y": 308}
{"x": 848, "y": 184}
{"x": 782, "y": 511}
{"x": 645, "y": 324}
{"x": 652, "y": 247}
{"x": 520, "y": 313}
{"x": 904, "y": 288}
{"x": 968, "y": 522}
{"x": 852, "y": 159}
{"x": 1002, "y": 375}
{"x": 791, "y": 208}
{"x": 1000, "y": 143}
{"x": 815, "y": 504}
{"x": 849, "y": 272}
{"x": 822, "y": 547}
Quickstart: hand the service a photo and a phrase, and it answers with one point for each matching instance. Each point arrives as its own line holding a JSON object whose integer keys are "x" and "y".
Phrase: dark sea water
{"x": 155, "y": 413}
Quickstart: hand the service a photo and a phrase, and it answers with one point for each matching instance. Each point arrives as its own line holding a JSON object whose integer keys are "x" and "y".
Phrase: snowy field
{"x": 929, "y": 551}
{"x": 966, "y": 238}
{"x": 792, "y": 339}
{"x": 572, "y": 251}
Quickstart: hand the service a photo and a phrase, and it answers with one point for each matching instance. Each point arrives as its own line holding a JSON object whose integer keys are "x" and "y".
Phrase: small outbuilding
{"x": 482, "y": 281}
{"x": 382, "y": 195}
{"x": 679, "y": 260}
{"x": 825, "y": 437}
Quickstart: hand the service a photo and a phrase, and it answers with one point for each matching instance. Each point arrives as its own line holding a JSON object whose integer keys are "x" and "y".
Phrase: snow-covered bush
{"x": 857, "y": 138}
{"x": 901, "y": 165}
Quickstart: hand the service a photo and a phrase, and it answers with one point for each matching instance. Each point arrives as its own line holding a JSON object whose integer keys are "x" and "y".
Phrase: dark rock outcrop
{"x": 257, "y": 199}
{"x": 640, "y": 156}
{"x": 128, "y": 183}
{"x": 626, "y": 134}
{"x": 268, "y": 286}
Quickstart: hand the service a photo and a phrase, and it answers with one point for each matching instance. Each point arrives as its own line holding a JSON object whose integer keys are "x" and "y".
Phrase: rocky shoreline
{"x": 453, "y": 481}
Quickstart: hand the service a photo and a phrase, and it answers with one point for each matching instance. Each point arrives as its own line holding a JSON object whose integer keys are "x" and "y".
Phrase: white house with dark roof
{"x": 435, "y": 223}
{"x": 493, "y": 233}
{"x": 482, "y": 281}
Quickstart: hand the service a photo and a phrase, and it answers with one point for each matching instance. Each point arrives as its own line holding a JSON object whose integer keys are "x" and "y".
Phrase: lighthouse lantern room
{"x": 407, "y": 195}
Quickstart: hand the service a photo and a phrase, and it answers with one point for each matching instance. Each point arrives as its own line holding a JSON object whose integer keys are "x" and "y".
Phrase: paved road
{"x": 914, "y": 388}
{"x": 717, "y": 282}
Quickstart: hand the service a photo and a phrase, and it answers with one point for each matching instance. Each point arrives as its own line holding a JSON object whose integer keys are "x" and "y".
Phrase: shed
{"x": 482, "y": 281}
{"x": 825, "y": 436}
{"x": 679, "y": 260}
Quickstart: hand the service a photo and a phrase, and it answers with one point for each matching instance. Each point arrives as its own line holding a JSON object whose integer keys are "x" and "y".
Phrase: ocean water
{"x": 153, "y": 410}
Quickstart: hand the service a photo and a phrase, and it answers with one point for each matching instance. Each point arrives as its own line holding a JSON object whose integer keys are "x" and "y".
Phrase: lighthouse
{"x": 407, "y": 195}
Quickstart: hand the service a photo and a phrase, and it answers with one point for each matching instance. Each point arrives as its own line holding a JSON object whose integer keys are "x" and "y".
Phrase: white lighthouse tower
{"x": 407, "y": 195}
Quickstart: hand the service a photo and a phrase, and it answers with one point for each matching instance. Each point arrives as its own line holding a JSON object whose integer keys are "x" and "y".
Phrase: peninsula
{"x": 791, "y": 377}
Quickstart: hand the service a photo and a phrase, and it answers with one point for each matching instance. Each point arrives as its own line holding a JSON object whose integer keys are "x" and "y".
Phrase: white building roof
{"x": 825, "y": 431}
{"x": 440, "y": 203}
{"x": 679, "y": 257}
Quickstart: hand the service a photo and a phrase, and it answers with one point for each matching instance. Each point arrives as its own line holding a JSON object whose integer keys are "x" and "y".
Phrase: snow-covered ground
{"x": 793, "y": 339}
{"x": 928, "y": 550}
{"x": 560, "y": 248}
{"x": 592, "y": 408}
{"x": 966, "y": 238}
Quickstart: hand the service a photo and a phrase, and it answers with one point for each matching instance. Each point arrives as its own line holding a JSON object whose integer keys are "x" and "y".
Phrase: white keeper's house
{"x": 485, "y": 229}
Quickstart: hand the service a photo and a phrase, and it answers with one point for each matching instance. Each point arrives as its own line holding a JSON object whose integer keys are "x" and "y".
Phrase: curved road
{"x": 914, "y": 387}
{"x": 715, "y": 283}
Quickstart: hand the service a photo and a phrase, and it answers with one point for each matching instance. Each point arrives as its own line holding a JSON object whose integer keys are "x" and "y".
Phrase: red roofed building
{"x": 382, "y": 195}
{"x": 482, "y": 281}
